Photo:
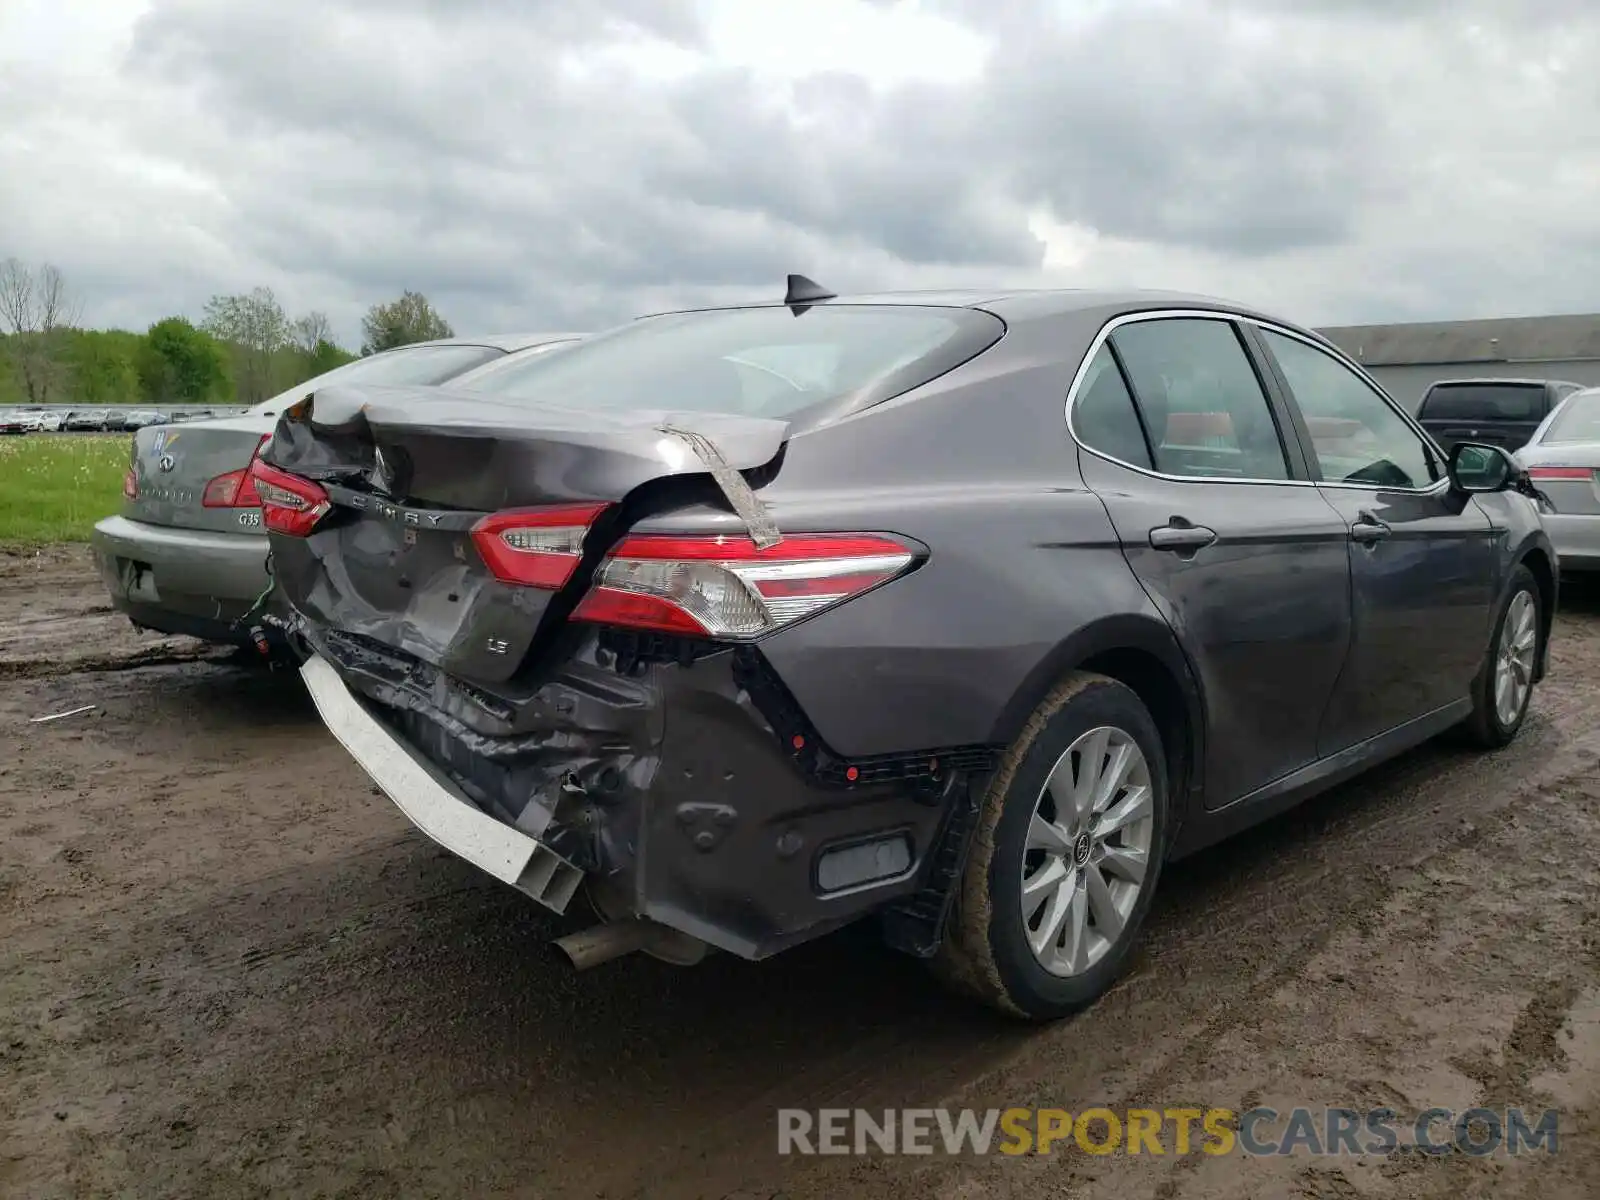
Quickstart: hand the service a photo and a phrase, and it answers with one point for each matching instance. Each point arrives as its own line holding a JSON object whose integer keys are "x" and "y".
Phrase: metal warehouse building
{"x": 1407, "y": 358}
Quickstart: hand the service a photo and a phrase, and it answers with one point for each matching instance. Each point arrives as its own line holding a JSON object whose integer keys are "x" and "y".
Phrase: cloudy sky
{"x": 571, "y": 163}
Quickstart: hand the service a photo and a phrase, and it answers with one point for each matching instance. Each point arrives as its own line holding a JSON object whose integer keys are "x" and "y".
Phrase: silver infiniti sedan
{"x": 1563, "y": 461}
{"x": 188, "y": 553}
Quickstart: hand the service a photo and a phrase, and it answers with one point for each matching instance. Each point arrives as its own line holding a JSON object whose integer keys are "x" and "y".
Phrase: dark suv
{"x": 1501, "y": 412}
{"x": 959, "y": 612}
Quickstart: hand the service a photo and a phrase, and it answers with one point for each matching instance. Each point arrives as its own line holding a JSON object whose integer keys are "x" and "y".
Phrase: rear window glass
{"x": 421, "y": 366}
{"x": 1578, "y": 420}
{"x": 1485, "y": 402}
{"x": 766, "y": 362}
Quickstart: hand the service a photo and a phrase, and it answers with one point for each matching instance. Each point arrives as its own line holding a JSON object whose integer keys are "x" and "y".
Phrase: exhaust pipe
{"x": 601, "y": 944}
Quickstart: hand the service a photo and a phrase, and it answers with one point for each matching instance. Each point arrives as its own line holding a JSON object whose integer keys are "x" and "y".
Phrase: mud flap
{"x": 432, "y": 803}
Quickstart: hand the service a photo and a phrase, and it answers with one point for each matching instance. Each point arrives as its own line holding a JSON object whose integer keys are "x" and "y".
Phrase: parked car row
{"x": 37, "y": 419}
{"x": 1553, "y": 427}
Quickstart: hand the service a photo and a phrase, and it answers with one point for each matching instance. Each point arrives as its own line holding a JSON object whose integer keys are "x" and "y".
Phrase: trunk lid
{"x": 173, "y": 463}
{"x": 410, "y": 471}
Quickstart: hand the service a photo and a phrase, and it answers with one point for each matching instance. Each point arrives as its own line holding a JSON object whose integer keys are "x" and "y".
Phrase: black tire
{"x": 1484, "y": 728}
{"x": 985, "y": 952}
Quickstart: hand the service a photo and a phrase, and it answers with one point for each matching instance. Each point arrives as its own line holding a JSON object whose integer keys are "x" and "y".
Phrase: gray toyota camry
{"x": 187, "y": 554}
{"x": 959, "y": 612}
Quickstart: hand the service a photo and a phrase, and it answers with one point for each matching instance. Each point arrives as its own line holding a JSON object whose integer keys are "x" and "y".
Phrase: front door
{"x": 1422, "y": 563}
{"x": 1247, "y": 562}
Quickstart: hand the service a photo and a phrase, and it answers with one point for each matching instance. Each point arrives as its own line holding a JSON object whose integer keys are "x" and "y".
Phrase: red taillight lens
{"x": 535, "y": 547}
{"x": 289, "y": 504}
{"x": 236, "y": 489}
{"x": 727, "y": 588}
{"x": 130, "y": 484}
{"x": 1560, "y": 472}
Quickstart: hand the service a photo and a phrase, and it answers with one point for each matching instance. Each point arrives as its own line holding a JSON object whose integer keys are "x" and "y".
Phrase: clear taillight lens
{"x": 726, "y": 588}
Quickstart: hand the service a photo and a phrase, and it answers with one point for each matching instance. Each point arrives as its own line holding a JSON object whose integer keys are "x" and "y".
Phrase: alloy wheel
{"x": 1088, "y": 851}
{"x": 1513, "y": 675}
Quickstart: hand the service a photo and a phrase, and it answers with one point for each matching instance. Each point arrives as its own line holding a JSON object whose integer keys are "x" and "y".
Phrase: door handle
{"x": 1178, "y": 534}
{"x": 1368, "y": 529}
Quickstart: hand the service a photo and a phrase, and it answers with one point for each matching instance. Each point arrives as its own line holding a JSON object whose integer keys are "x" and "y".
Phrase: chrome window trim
{"x": 1232, "y": 318}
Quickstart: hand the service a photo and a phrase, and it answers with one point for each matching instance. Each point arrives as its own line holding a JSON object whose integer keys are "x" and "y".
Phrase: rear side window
{"x": 1577, "y": 421}
{"x": 766, "y": 362}
{"x": 1484, "y": 402}
{"x": 1104, "y": 417}
{"x": 1203, "y": 406}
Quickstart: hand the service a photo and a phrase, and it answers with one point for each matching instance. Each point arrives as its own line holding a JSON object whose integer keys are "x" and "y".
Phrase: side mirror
{"x": 1475, "y": 467}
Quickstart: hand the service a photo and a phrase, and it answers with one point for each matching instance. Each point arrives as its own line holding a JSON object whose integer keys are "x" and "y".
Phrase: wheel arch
{"x": 1141, "y": 653}
{"x": 1541, "y": 565}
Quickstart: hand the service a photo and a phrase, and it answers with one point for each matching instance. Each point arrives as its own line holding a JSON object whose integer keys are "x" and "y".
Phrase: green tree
{"x": 104, "y": 366}
{"x": 180, "y": 364}
{"x": 402, "y": 322}
{"x": 315, "y": 352}
{"x": 258, "y": 331}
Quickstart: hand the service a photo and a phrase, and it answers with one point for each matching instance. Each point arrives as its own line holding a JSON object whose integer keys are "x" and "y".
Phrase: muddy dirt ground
{"x": 228, "y": 968}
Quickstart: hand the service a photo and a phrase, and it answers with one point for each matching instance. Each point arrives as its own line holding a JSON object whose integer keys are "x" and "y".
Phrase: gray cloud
{"x": 547, "y": 163}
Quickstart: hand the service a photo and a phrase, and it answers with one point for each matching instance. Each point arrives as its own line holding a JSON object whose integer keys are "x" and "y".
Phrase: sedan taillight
{"x": 235, "y": 489}
{"x": 727, "y": 588}
{"x": 1560, "y": 472}
{"x": 289, "y": 504}
{"x": 535, "y": 547}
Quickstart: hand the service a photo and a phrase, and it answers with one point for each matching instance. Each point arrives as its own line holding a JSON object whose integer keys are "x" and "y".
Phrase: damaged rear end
{"x": 539, "y": 631}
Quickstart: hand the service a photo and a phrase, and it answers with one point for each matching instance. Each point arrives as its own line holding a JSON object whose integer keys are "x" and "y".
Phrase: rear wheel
{"x": 1503, "y": 688}
{"x": 1065, "y": 855}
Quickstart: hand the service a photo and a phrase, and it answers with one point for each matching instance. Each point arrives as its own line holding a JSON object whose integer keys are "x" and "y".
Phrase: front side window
{"x": 766, "y": 362}
{"x": 1356, "y": 436}
{"x": 1205, "y": 411}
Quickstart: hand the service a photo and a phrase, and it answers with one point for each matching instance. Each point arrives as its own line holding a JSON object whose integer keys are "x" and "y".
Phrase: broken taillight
{"x": 236, "y": 489}
{"x": 725, "y": 587}
{"x": 535, "y": 547}
{"x": 289, "y": 504}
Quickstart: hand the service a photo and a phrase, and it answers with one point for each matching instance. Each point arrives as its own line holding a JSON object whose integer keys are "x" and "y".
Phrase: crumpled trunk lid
{"x": 410, "y": 472}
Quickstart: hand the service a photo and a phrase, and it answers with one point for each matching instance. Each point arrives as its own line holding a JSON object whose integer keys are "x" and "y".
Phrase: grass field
{"x": 54, "y": 487}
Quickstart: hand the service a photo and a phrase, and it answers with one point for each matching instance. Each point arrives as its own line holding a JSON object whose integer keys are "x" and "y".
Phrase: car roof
{"x": 1028, "y": 304}
{"x": 1480, "y": 380}
{"x": 509, "y": 342}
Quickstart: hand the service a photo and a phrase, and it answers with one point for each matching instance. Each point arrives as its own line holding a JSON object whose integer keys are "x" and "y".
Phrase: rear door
{"x": 1184, "y": 443}
{"x": 1502, "y": 414}
{"x": 1422, "y": 561}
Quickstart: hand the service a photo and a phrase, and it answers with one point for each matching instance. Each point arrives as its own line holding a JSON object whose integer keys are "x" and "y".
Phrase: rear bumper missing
{"x": 434, "y": 804}
{"x": 663, "y": 785}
